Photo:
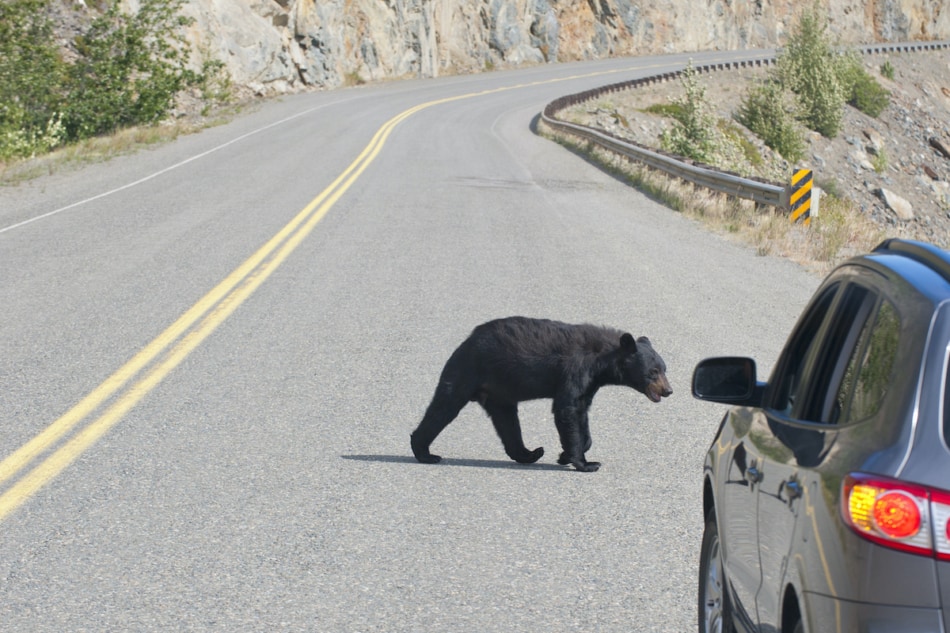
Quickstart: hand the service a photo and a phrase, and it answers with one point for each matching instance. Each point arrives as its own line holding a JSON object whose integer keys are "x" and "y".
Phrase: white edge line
{"x": 158, "y": 173}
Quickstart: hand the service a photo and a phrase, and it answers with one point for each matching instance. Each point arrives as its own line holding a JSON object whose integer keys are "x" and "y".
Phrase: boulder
{"x": 900, "y": 206}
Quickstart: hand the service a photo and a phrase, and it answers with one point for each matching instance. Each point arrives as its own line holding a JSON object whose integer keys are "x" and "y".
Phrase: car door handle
{"x": 793, "y": 489}
{"x": 753, "y": 475}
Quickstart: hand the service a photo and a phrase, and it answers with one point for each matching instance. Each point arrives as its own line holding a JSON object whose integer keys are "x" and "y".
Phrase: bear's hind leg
{"x": 504, "y": 417}
{"x": 445, "y": 407}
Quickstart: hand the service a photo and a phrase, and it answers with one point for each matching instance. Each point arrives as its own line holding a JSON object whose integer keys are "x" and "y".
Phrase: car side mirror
{"x": 727, "y": 380}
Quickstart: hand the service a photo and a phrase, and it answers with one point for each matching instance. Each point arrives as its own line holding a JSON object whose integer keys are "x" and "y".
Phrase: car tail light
{"x": 940, "y": 504}
{"x": 898, "y": 515}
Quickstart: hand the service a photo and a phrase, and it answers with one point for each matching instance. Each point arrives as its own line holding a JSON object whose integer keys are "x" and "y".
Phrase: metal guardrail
{"x": 760, "y": 190}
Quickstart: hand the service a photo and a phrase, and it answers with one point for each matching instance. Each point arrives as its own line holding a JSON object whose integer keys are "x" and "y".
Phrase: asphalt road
{"x": 204, "y": 429}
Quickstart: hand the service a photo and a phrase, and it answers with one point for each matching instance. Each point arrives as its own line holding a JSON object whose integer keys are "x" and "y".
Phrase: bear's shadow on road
{"x": 449, "y": 461}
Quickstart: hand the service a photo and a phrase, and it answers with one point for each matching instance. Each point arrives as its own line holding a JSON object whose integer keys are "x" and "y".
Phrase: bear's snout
{"x": 659, "y": 389}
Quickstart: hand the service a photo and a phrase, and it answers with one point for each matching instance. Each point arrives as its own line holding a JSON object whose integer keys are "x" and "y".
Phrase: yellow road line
{"x": 17, "y": 460}
{"x": 192, "y": 328}
{"x": 217, "y": 305}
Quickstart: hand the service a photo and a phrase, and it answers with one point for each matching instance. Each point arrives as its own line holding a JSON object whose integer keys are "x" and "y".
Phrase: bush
{"x": 733, "y": 135}
{"x": 31, "y": 80}
{"x": 693, "y": 134}
{"x": 130, "y": 71}
{"x": 809, "y": 67}
{"x": 862, "y": 91}
{"x": 763, "y": 112}
{"x": 887, "y": 70}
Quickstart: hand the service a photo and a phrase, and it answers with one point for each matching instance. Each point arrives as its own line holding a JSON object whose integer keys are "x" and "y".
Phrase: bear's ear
{"x": 627, "y": 343}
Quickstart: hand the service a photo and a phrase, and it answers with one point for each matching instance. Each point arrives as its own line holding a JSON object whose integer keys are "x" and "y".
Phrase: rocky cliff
{"x": 275, "y": 46}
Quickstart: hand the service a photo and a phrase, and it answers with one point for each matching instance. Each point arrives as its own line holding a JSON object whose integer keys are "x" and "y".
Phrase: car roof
{"x": 923, "y": 265}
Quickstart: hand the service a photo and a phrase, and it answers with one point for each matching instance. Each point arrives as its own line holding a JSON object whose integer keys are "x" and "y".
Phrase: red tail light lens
{"x": 896, "y": 515}
{"x": 890, "y": 513}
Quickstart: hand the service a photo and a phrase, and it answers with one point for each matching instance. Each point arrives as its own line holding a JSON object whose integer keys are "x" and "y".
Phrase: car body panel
{"x": 826, "y": 615}
{"x": 943, "y": 576}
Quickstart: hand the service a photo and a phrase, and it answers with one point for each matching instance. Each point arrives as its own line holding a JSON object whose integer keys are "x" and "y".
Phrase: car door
{"x": 737, "y": 513}
{"x": 800, "y": 435}
{"x": 754, "y": 451}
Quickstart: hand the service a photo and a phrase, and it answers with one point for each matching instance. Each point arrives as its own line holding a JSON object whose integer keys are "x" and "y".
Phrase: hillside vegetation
{"x": 125, "y": 70}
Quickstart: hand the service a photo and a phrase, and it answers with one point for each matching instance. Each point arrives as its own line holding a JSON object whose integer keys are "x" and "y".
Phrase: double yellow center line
{"x": 42, "y": 458}
{"x": 156, "y": 360}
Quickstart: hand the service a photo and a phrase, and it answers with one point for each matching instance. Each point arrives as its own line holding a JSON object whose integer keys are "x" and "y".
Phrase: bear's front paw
{"x": 586, "y": 467}
{"x": 530, "y": 457}
{"x": 421, "y": 451}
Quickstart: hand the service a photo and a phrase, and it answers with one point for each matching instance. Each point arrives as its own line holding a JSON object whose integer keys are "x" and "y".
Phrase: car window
{"x": 868, "y": 372}
{"x": 852, "y": 316}
{"x": 818, "y": 356}
{"x": 787, "y": 386}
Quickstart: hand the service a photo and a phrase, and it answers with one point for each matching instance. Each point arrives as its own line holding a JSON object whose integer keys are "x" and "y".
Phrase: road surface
{"x": 213, "y": 353}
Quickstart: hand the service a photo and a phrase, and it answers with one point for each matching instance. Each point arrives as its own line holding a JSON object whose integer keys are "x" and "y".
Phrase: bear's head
{"x": 642, "y": 368}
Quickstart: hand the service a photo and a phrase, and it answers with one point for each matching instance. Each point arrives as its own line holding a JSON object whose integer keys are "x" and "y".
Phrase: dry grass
{"x": 839, "y": 232}
{"x": 103, "y": 148}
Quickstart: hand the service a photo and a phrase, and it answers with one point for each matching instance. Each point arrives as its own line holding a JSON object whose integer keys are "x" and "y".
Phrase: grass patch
{"x": 671, "y": 110}
{"x": 879, "y": 161}
{"x": 734, "y": 134}
{"x": 103, "y": 148}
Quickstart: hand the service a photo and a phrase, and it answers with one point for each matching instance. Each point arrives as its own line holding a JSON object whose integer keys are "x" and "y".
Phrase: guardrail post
{"x": 800, "y": 196}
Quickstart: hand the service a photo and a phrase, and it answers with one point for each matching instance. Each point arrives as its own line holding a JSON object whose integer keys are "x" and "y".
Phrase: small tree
{"x": 693, "y": 133}
{"x": 809, "y": 68}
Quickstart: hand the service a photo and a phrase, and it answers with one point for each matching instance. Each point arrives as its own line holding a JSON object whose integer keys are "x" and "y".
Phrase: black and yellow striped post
{"x": 800, "y": 198}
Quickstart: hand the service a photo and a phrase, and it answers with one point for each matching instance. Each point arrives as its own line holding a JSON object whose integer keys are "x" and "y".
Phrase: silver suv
{"x": 826, "y": 490}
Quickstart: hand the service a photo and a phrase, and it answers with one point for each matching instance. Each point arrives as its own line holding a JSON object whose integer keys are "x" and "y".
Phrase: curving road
{"x": 212, "y": 354}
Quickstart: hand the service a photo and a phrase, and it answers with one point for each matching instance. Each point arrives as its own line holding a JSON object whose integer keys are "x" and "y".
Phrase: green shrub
{"x": 869, "y": 96}
{"x": 809, "y": 67}
{"x": 862, "y": 91}
{"x": 693, "y": 133}
{"x": 829, "y": 188}
{"x": 763, "y": 111}
{"x": 879, "y": 161}
{"x": 887, "y": 70}
{"x": 31, "y": 80}
{"x": 130, "y": 70}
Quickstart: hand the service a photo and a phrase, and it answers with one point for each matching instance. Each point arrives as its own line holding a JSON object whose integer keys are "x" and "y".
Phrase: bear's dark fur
{"x": 507, "y": 361}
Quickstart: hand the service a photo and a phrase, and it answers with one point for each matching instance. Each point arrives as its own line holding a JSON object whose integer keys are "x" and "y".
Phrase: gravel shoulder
{"x": 909, "y": 196}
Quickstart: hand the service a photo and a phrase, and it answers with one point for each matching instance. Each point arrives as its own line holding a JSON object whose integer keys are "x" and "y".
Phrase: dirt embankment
{"x": 895, "y": 168}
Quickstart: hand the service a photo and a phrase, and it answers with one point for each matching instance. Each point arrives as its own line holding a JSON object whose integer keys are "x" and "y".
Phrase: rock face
{"x": 276, "y": 46}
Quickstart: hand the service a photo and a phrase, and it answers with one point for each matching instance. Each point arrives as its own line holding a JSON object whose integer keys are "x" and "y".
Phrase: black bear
{"x": 510, "y": 360}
